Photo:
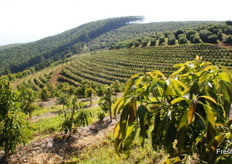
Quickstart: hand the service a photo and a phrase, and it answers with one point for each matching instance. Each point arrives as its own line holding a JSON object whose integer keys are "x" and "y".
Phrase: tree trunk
{"x": 71, "y": 120}
{"x": 91, "y": 100}
{"x": 110, "y": 103}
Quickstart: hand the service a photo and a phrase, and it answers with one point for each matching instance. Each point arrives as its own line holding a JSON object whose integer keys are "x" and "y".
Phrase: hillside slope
{"x": 56, "y": 47}
{"x": 107, "y": 66}
{"x": 85, "y": 38}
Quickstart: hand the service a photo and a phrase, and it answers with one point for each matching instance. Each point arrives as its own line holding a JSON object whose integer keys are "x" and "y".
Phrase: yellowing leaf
{"x": 176, "y": 100}
{"x": 209, "y": 98}
{"x": 158, "y": 73}
{"x": 117, "y": 105}
{"x": 117, "y": 131}
{"x": 132, "y": 110}
{"x": 191, "y": 110}
{"x": 130, "y": 83}
{"x": 198, "y": 57}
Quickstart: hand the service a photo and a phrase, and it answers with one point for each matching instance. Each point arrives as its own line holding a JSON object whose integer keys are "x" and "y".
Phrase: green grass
{"x": 105, "y": 154}
{"x": 43, "y": 110}
{"x": 47, "y": 125}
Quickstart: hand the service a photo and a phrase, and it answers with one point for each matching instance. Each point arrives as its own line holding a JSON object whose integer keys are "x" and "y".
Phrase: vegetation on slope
{"x": 106, "y": 33}
{"x": 57, "y": 47}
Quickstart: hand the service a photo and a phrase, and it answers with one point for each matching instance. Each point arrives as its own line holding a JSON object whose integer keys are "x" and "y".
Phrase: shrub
{"x": 185, "y": 113}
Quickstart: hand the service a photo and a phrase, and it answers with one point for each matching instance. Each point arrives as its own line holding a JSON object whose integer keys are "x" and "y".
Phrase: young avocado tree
{"x": 27, "y": 98}
{"x": 106, "y": 103}
{"x": 184, "y": 114}
{"x": 14, "y": 128}
{"x": 74, "y": 116}
{"x": 89, "y": 93}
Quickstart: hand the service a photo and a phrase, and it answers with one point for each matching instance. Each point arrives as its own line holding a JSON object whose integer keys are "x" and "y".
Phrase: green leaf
{"x": 157, "y": 72}
{"x": 183, "y": 121}
{"x": 209, "y": 114}
{"x": 130, "y": 135}
{"x": 118, "y": 105}
{"x": 182, "y": 139}
{"x": 130, "y": 83}
{"x": 143, "y": 115}
{"x": 224, "y": 77}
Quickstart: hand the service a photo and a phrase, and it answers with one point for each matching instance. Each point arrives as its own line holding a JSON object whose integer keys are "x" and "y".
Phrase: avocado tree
{"x": 27, "y": 98}
{"x": 74, "y": 115}
{"x": 14, "y": 128}
{"x": 184, "y": 114}
{"x": 89, "y": 93}
{"x": 106, "y": 102}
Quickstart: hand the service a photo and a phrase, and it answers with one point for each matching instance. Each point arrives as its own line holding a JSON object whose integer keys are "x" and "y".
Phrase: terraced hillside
{"x": 141, "y": 31}
{"x": 107, "y": 66}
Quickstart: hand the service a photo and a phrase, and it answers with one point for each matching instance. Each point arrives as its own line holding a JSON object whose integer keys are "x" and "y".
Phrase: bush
{"x": 14, "y": 128}
{"x": 184, "y": 114}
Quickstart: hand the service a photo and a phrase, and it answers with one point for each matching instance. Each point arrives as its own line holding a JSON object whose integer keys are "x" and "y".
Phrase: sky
{"x": 23, "y": 21}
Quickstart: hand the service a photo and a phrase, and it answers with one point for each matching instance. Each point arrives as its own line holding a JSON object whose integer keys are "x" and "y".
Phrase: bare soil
{"x": 227, "y": 46}
{"x": 58, "y": 147}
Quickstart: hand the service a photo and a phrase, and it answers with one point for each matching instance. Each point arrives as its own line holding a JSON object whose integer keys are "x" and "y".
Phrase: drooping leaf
{"x": 209, "y": 114}
{"x": 130, "y": 83}
{"x": 183, "y": 120}
{"x": 209, "y": 98}
{"x": 130, "y": 135}
{"x": 132, "y": 110}
{"x": 224, "y": 77}
{"x": 117, "y": 130}
{"x": 191, "y": 110}
{"x": 182, "y": 139}
{"x": 118, "y": 105}
{"x": 176, "y": 100}
{"x": 143, "y": 115}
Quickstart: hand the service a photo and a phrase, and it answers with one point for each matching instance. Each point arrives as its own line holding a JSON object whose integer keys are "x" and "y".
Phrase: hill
{"x": 57, "y": 47}
{"x": 108, "y": 33}
{"x": 107, "y": 66}
{"x": 9, "y": 46}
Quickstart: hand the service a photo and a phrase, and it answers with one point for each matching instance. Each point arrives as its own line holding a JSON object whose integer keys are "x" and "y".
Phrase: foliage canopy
{"x": 184, "y": 113}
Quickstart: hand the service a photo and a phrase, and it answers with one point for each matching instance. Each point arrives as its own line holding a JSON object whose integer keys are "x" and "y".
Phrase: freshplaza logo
{"x": 227, "y": 151}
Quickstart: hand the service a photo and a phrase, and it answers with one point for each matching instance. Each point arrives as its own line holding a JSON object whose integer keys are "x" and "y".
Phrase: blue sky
{"x": 29, "y": 20}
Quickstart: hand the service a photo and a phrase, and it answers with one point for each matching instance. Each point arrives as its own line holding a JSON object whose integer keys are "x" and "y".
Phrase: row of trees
{"x": 203, "y": 34}
{"x": 16, "y": 105}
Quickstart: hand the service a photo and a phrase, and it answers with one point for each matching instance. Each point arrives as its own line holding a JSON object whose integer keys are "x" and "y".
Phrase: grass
{"x": 47, "y": 125}
{"x": 105, "y": 154}
{"x": 43, "y": 110}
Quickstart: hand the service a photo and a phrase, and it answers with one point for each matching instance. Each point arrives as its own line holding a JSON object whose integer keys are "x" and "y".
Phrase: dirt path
{"x": 55, "y": 75}
{"x": 227, "y": 46}
{"x": 56, "y": 148}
